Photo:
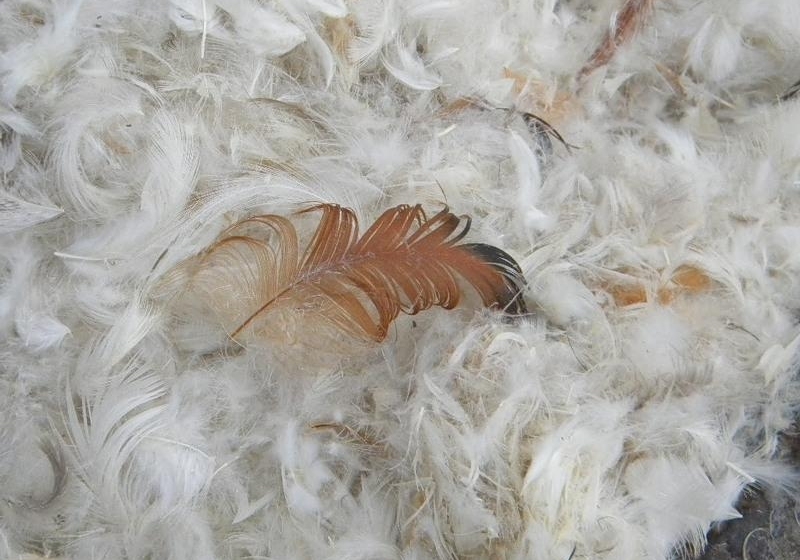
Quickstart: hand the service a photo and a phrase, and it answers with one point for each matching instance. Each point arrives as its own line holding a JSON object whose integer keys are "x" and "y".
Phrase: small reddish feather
{"x": 628, "y": 22}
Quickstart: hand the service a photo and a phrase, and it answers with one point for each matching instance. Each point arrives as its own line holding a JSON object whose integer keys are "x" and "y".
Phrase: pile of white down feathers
{"x": 620, "y": 420}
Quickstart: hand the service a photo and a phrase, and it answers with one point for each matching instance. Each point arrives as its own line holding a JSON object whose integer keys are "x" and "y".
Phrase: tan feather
{"x": 627, "y": 22}
{"x": 260, "y": 284}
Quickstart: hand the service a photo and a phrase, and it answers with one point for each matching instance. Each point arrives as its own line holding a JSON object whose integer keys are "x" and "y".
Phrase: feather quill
{"x": 259, "y": 284}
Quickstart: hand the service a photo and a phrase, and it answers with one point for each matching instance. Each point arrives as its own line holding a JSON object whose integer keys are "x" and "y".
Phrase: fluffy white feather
{"x": 13, "y": 127}
{"x": 378, "y": 25}
{"x": 17, "y": 214}
{"x": 262, "y": 28}
{"x": 195, "y": 16}
{"x": 86, "y": 160}
{"x": 410, "y": 69}
{"x": 679, "y": 501}
{"x": 39, "y": 56}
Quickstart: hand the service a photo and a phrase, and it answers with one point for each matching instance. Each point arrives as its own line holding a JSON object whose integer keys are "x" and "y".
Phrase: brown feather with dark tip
{"x": 256, "y": 278}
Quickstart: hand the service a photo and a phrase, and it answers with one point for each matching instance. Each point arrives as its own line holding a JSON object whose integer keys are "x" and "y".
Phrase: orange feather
{"x": 260, "y": 284}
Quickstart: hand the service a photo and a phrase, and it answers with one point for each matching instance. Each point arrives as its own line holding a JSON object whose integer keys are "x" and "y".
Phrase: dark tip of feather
{"x": 542, "y": 131}
{"x": 511, "y": 300}
{"x": 539, "y": 133}
{"x": 791, "y": 92}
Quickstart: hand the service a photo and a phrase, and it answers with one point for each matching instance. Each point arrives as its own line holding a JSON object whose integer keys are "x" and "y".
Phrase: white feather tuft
{"x": 679, "y": 501}
{"x": 32, "y": 62}
{"x": 410, "y": 69}
{"x": 262, "y": 28}
{"x": 657, "y": 342}
{"x": 13, "y": 127}
{"x": 529, "y": 181}
{"x": 378, "y": 25}
{"x": 17, "y": 214}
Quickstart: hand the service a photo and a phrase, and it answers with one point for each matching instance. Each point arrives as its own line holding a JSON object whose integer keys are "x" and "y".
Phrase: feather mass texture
{"x": 259, "y": 285}
{"x": 619, "y": 422}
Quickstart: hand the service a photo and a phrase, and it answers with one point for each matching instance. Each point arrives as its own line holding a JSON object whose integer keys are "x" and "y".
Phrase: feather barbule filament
{"x": 261, "y": 285}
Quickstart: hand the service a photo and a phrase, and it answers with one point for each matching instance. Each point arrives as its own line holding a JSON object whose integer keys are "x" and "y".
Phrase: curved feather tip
{"x": 261, "y": 285}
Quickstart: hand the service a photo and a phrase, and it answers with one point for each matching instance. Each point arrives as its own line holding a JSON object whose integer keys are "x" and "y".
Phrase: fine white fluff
{"x": 620, "y": 420}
